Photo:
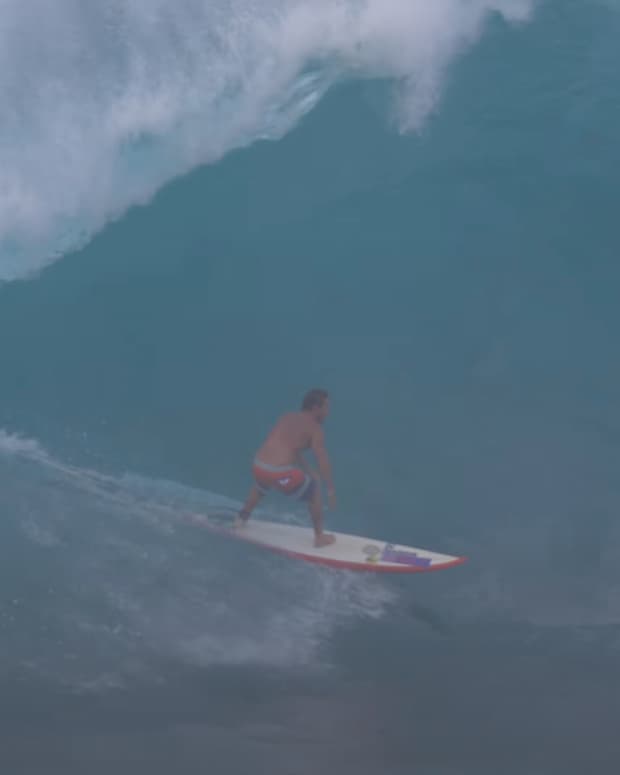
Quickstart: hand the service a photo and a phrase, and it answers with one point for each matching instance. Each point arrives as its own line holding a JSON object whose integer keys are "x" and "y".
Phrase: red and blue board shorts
{"x": 288, "y": 480}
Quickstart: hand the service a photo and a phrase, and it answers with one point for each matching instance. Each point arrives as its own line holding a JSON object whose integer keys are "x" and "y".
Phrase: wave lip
{"x": 103, "y": 104}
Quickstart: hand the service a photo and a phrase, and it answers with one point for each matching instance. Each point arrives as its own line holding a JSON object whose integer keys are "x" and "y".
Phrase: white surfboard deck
{"x": 349, "y": 552}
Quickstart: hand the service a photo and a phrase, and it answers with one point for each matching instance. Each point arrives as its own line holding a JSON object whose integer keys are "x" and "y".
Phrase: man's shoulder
{"x": 290, "y": 420}
{"x": 301, "y": 420}
{"x": 295, "y": 416}
{"x": 289, "y": 417}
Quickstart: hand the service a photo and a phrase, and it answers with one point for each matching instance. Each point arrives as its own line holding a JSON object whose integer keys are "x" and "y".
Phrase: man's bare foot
{"x": 241, "y": 520}
{"x": 324, "y": 539}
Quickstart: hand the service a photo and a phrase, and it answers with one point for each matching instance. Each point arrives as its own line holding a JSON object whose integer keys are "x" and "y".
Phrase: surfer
{"x": 279, "y": 463}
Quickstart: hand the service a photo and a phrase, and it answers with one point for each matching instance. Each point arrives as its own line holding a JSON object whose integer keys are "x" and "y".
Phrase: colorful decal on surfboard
{"x": 372, "y": 552}
{"x": 402, "y": 557}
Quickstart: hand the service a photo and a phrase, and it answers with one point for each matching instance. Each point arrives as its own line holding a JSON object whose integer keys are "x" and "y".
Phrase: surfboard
{"x": 349, "y": 552}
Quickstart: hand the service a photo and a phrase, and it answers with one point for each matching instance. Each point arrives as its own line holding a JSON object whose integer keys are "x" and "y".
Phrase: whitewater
{"x": 103, "y": 103}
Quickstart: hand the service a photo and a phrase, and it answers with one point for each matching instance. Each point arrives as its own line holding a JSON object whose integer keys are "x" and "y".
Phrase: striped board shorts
{"x": 288, "y": 480}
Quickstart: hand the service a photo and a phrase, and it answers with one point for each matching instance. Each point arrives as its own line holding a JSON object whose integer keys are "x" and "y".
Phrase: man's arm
{"x": 305, "y": 466}
{"x": 318, "y": 447}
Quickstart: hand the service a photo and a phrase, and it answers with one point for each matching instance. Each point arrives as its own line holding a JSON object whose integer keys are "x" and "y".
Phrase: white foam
{"x": 15, "y": 444}
{"x": 102, "y": 103}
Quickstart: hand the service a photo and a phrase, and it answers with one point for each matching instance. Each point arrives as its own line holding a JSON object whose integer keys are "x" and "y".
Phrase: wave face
{"x": 103, "y": 103}
{"x": 436, "y": 243}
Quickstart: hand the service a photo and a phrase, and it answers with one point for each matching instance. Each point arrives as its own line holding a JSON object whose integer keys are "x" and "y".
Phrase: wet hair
{"x": 314, "y": 398}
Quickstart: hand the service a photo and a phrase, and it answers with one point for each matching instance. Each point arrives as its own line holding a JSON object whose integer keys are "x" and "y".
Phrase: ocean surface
{"x": 208, "y": 207}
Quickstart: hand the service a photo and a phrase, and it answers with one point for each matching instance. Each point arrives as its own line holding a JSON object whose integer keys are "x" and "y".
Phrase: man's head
{"x": 316, "y": 402}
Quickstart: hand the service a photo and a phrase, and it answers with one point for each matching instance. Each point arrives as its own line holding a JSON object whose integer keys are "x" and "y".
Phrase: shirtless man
{"x": 279, "y": 463}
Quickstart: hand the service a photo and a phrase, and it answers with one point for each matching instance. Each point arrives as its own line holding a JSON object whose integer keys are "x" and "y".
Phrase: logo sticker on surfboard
{"x": 372, "y": 553}
{"x": 403, "y": 557}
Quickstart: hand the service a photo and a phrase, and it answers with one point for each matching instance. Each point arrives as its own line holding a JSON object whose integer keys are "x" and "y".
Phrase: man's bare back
{"x": 291, "y": 435}
{"x": 279, "y": 463}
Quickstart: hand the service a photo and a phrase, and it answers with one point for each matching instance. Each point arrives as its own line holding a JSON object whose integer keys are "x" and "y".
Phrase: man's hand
{"x": 331, "y": 499}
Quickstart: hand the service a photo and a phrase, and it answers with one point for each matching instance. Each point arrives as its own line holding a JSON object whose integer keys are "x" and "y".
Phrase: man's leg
{"x": 249, "y": 506}
{"x": 315, "y": 507}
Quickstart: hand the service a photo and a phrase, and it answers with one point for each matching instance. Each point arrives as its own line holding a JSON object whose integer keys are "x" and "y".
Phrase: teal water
{"x": 414, "y": 207}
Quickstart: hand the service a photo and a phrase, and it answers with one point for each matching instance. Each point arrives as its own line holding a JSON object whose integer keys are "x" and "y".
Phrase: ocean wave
{"x": 103, "y": 104}
{"x": 104, "y": 582}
